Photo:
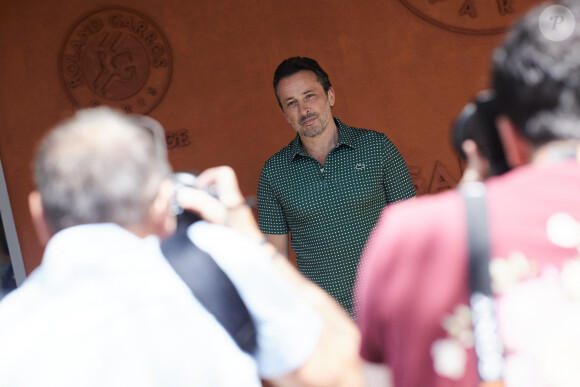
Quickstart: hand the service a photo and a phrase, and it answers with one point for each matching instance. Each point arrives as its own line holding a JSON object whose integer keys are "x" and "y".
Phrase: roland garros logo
{"x": 117, "y": 57}
{"x": 472, "y": 17}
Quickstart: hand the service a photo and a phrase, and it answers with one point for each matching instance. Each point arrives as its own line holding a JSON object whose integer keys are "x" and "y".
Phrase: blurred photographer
{"x": 475, "y": 138}
{"x": 105, "y": 308}
{"x": 480, "y": 284}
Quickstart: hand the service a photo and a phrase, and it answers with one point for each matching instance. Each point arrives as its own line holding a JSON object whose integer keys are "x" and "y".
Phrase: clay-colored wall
{"x": 392, "y": 71}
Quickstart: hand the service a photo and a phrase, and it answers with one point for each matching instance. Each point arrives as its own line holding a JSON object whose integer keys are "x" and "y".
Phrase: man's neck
{"x": 319, "y": 146}
{"x": 557, "y": 151}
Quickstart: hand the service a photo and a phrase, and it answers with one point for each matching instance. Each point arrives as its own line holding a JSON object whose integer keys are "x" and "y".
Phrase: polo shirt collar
{"x": 344, "y": 138}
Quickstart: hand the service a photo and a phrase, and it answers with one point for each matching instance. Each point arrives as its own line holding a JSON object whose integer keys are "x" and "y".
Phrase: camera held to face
{"x": 187, "y": 180}
{"x": 477, "y": 122}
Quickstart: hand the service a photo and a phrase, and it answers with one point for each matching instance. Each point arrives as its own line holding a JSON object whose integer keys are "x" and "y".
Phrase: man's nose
{"x": 304, "y": 108}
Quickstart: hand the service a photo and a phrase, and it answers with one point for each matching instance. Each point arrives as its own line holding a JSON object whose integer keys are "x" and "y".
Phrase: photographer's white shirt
{"x": 106, "y": 309}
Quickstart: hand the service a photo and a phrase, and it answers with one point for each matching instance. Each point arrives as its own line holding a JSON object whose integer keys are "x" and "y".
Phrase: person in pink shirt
{"x": 414, "y": 311}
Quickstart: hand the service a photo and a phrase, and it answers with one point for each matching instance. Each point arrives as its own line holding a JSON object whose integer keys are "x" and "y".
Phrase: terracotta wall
{"x": 402, "y": 67}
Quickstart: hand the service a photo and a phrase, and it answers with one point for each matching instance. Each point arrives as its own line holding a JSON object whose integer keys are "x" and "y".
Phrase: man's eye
{"x": 291, "y": 103}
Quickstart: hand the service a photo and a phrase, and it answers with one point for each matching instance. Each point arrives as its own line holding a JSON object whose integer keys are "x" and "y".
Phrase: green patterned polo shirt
{"x": 330, "y": 210}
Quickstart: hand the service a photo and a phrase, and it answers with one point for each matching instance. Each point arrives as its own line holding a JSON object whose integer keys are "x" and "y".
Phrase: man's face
{"x": 305, "y": 104}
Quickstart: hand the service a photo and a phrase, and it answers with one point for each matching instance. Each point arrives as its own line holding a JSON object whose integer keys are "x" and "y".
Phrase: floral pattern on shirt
{"x": 538, "y": 310}
{"x": 449, "y": 354}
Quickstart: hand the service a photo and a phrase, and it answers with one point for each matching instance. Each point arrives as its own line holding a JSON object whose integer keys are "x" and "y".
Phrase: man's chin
{"x": 311, "y": 132}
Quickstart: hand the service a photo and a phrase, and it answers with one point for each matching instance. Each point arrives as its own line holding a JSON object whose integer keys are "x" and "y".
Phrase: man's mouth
{"x": 309, "y": 119}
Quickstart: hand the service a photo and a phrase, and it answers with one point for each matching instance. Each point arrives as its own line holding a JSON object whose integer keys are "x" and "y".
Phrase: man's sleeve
{"x": 397, "y": 179}
{"x": 287, "y": 328}
{"x": 271, "y": 218}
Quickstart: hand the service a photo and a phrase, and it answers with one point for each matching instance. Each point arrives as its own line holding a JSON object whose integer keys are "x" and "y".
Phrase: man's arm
{"x": 280, "y": 242}
{"x": 397, "y": 179}
{"x": 335, "y": 361}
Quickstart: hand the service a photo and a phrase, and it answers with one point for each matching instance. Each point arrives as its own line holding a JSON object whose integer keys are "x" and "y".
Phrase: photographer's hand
{"x": 229, "y": 209}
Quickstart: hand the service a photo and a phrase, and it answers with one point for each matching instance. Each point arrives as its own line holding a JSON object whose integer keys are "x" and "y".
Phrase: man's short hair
{"x": 100, "y": 166}
{"x": 296, "y": 64}
{"x": 537, "y": 80}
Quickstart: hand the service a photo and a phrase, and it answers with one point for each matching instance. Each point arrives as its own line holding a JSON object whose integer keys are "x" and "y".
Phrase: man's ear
{"x": 518, "y": 150}
{"x": 331, "y": 96}
{"x": 41, "y": 226}
{"x": 162, "y": 221}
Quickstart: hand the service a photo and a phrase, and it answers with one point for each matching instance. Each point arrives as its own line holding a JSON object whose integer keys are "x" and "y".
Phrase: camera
{"x": 187, "y": 180}
{"x": 477, "y": 122}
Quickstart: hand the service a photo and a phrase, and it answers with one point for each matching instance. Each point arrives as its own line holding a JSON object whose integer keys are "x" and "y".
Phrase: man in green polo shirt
{"x": 327, "y": 188}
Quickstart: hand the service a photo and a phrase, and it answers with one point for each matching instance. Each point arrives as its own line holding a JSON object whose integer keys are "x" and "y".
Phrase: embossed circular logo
{"x": 557, "y": 23}
{"x": 118, "y": 57}
{"x": 470, "y": 16}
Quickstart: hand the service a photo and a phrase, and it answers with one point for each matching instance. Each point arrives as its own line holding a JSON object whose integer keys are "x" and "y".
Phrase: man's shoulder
{"x": 366, "y": 138}
{"x": 369, "y": 134}
{"x": 360, "y": 132}
{"x": 366, "y": 132}
{"x": 427, "y": 232}
{"x": 280, "y": 158}
{"x": 425, "y": 215}
{"x": 281, "y": 154}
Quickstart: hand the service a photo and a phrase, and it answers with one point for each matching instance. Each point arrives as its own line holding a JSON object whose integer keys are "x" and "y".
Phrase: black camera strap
{"x": 488, "y": 344}
{"x": 212, "y": 287}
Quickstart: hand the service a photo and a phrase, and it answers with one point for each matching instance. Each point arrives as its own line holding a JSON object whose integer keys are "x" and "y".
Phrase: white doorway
{"x": 12, "y": 271}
